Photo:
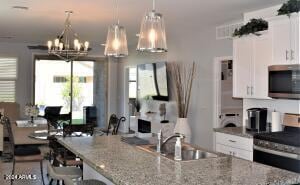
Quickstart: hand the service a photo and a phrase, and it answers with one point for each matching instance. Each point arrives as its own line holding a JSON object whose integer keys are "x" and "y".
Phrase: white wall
{"x": 282, "y": 106}
{"x": 24, "y": 86}
{"x": 187, "y": 45}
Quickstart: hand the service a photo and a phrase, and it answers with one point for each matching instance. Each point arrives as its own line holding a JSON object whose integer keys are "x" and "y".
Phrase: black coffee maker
{"x": 257, "y": 119}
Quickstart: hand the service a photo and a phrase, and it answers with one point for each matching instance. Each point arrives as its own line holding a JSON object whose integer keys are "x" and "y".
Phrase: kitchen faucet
{"x": 161, "y": 143}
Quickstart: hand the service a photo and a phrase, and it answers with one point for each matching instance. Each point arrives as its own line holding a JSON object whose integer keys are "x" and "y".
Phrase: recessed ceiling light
{"x": 20, "y": 7}
{"x": 103, "y": 44}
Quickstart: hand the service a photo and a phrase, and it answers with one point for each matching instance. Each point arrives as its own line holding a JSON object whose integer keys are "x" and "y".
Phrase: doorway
{"x": 130, "y": 95}
{"x": 228, "y": 110}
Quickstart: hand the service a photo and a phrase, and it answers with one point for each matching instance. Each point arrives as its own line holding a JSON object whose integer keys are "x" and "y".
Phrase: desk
{"x": 21, "y": 135}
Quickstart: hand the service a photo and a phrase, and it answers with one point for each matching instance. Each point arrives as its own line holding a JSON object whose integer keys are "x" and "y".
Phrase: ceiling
{"x": 44, "y": 19}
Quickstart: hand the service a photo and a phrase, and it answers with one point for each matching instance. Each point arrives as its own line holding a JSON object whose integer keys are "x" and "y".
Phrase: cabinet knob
{"x": 292, "y": 55}
{"x": 248, "y": 88}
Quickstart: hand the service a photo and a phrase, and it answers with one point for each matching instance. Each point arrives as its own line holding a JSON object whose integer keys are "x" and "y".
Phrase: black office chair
{"x": 52, "y": 114}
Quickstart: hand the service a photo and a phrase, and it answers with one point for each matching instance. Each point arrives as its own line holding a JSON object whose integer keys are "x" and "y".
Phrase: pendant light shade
{"x": 116, "y": 42}
{"x": 152, "y": 37}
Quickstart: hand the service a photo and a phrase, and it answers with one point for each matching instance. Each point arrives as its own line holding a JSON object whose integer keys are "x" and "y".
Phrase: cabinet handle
{"x": 248, "y": 90}
{"x": 251, "y": 90}
{"x": 286, "y": 55}
{"x": 292, "y": 55}
{"x": 232, "y": 141}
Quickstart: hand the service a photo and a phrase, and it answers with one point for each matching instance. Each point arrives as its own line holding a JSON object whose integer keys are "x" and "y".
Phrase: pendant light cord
{"x": 117, "y": 11}
{"x": 153, "y": 5}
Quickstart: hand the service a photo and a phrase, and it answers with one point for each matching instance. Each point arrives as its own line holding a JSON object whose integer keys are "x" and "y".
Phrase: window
{"x": 8, "y": 77}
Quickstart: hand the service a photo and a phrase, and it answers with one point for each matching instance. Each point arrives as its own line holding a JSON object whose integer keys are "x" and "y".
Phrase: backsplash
{"x": 280, "y": 105}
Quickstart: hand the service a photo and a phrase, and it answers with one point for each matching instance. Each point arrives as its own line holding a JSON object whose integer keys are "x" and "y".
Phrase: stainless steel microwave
{"x": 284, "y": 81}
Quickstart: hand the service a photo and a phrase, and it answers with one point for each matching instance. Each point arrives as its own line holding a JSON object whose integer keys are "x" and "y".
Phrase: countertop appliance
{"x": 284, "y": 81}
{"x": 257, "y": 119}
{"x": 279, "y": 149}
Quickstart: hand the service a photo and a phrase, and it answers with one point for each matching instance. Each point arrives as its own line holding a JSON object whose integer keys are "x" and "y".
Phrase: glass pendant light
{"x": 116, "y": 42}
{"x": 152, "y": 37}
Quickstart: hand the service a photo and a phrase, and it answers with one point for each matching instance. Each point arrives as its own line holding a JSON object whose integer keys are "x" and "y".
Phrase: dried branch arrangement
{"x": 183, "y": 78}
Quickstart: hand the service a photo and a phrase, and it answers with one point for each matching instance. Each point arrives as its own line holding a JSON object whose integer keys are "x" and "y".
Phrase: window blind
{"x": 8, "y": 76}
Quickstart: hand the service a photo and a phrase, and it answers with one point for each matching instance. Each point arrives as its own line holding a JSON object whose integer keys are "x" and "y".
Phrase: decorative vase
{"x": 182, "y": 127}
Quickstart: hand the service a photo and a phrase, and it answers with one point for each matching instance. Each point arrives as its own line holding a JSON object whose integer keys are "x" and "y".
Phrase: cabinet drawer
{"x": 234, "y": 141}
{"x": 243, "y": 154}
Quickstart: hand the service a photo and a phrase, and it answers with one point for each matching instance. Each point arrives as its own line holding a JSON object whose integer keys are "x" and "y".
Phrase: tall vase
{"x": 182, "y": 127}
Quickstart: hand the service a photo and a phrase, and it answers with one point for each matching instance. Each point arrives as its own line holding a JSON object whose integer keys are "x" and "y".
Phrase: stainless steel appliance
{"x": 279, "y": 149}
{"x": 284, "y": 81}
{"x": 257, "y": 119}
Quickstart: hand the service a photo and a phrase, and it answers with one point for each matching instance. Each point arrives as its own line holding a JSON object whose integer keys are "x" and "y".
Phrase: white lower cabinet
{"x": 91, "y": 173}
{"x": 234, "y": 145}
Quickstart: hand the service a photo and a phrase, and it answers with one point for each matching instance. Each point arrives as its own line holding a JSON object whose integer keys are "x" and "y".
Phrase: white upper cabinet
{"x": 252, "y": 55}
{"x": 262, "y": 59}
{"x": 295, "y": 31}
{"x": 285, "y": 36}
{"x": 242, "y": 61}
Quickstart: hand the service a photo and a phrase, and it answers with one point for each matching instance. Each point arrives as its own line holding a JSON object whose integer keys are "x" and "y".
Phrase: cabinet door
{"x": 262, "y": 58}
{"x": 244, "y": 154}
{"x": 242, "y": 59}
{"x": 295, "y": 31}
{"x": 281, "y": 40}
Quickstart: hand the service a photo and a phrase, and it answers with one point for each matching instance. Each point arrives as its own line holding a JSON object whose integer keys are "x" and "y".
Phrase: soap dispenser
{"x": 177, "y": 156}
{"x": 159, "y": 138}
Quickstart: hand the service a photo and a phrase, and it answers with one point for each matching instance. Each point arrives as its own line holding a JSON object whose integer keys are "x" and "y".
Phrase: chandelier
{"x": 67, "y": 45}
{"x": 152, "y": 37}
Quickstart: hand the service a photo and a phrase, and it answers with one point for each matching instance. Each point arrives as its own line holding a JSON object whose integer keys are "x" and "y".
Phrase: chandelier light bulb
{"x": 86, "y": 45}
{"x": 61, "y": 46}
{"x": 49, "y": 44}
{"x": 76, "y": 42}
{"x": 78, "y": 46}
{"x": 56, "y": 42}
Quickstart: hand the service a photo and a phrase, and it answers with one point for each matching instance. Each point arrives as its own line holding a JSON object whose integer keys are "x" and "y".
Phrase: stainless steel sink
{"x": 188, "y": 152}
{"x": 188, "y": 155}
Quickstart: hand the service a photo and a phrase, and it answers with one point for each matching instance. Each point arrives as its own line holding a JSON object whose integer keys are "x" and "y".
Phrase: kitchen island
{"x": 120, "y": 163}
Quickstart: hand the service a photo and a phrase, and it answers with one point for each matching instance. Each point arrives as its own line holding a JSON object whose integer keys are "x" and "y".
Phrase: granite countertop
{"x": 125, "y": 164}
{"x": 238, "y": 131}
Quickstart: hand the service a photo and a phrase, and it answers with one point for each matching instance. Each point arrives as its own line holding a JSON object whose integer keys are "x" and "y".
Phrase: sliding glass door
{"x": 58, "y": 83}
{"x": 83, "y": 87}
